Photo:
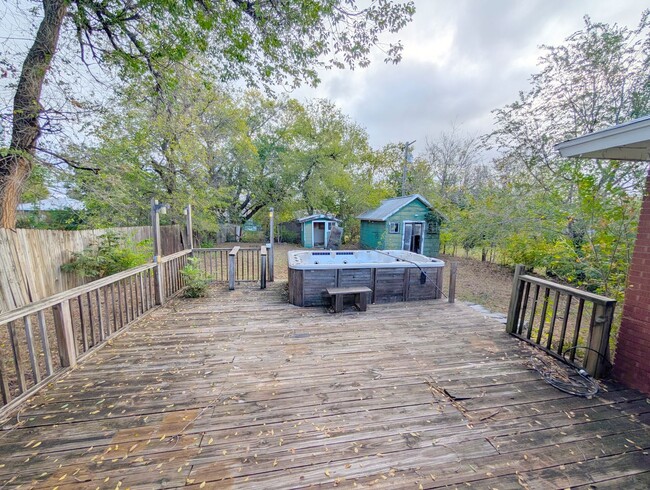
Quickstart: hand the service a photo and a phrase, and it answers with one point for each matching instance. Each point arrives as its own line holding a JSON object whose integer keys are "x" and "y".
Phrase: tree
{"x": 453, "y": 158}
{"x": 577, "y": 216}
{"x": 264, "y": 42}
{"x": 597, "y": 79}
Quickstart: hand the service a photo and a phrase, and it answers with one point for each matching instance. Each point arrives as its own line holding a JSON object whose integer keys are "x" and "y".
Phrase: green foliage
{"x": 231, "y": 155}
{"x": 56, "y": 219}
{"x": 196, "y": 281}
{"x": 289, "y": 236}
{"x": 253, "y": 236}
{"x": 111, "y": 253}
{"x": 271, "y": 43}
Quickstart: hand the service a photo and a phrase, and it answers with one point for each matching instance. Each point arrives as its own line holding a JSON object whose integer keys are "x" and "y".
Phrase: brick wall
{"x": 632, "y": 361}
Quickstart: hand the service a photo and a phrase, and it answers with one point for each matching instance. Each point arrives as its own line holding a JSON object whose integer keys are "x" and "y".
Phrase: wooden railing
{"x": 214, "y": 262}
{"x": 234, "y": 265}
{"x": 554, "y": 317}
{"x": 40, "y": 341}
{"x": 69, "y": 326}
{"x": 171, "y": 266}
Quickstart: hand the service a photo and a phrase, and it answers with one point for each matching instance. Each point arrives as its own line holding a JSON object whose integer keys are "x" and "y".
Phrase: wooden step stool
{"x": 360, "y": 297}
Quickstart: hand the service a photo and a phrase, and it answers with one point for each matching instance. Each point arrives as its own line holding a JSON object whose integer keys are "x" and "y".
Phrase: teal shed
{"x": 315, "y": 230}
{"x": 402, "y": 223}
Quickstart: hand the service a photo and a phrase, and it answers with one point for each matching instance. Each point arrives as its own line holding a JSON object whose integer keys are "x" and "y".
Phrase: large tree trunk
{"x": 16, "y": 166}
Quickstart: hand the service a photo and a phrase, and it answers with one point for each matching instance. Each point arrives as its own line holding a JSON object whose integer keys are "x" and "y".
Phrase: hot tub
{"x": 393, "y": 275}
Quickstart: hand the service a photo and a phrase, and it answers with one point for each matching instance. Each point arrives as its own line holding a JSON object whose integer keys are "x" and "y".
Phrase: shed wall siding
{"x": 415, "y": 211}
{"x": 631, "y": 364}
{"x": 309, "y": 228}
{"x": 372, "y": 235}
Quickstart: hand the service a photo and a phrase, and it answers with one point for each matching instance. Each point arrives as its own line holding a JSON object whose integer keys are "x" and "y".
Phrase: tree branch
{"x": 72, "y": 163}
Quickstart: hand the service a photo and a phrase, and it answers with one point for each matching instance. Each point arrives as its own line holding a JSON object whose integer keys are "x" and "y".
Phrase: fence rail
{"x": 560, "y": 329}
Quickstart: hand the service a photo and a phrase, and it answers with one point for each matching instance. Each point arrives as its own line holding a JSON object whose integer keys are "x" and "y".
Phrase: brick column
{"x": 632, "y": 359}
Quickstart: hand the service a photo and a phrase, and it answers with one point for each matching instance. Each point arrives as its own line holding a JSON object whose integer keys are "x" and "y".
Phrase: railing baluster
{"x": 45, "y": 342}
{"x": 84, "y": 338}
{"x": 556, "y": 303}
{"x": 131, "y": 297}
{"x": 565, "y": 323}
{"x": 576, "y": 332}
{"x": 18, "y": 362}
{"x": 141, "y": 285}
{"x": 524, "y": 307}
{"x": 5, "y": 393}
{"x": 100, "y": 314}
{"x": 31, "y": 348}
{"x": 532, "y": 312}
{"x": 91, "y": 321}
{"x": 542, "y": 321}
{"x": 113, "y": 307}
{"x": 119, "y": 302}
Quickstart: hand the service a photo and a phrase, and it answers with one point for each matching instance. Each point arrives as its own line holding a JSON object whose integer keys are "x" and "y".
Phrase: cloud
{"x": 462, "y": 60}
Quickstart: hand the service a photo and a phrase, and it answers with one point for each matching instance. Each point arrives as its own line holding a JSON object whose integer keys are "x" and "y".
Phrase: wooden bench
{"x": 360, "y": 297}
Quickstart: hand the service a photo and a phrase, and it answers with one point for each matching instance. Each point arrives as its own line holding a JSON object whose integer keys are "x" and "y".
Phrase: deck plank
{"x": 244, "y": 390}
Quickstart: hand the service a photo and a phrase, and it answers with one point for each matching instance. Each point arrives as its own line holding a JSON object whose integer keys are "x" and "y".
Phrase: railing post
{"x": 515, "y": 300}
{"x": 158, "y": 276}
{"x": 159, "y": 282}
{"x": 232, "y": 267}
{"x": 263, "y": 260}
{"x": 188, "y": 227}
{"x": 155, "y": 225}
{"x": 452, "y": 282}
{"x": 65, "y": 334}
{"x": 271, "y": 239}
{"x": 599, "y": 338}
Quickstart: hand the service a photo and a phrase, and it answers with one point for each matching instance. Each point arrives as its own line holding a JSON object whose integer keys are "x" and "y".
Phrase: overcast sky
{"x": 462, "y": 59}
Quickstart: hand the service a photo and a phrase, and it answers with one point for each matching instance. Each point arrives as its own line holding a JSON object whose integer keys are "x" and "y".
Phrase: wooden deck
{"x": 244, "y": 390}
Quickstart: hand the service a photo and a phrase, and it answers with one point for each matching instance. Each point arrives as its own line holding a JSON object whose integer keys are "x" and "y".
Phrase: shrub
{"x": 195, "y": 279}
{"x": 109, "y": 254}
{"x": 253, "y": 237}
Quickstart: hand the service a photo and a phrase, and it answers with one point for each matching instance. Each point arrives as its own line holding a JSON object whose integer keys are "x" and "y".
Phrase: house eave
{"x": 628, "y": 141}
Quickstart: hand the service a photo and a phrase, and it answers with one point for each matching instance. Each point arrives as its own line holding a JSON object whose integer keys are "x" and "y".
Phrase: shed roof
{"x": 389, "y": 207}
{"x": 57, "y": 200}
{"x": 627, "y": 141}
{"x": 314, "y": 217}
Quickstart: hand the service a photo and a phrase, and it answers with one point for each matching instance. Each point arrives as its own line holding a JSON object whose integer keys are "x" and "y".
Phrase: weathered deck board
{"x": 244, "y": 390}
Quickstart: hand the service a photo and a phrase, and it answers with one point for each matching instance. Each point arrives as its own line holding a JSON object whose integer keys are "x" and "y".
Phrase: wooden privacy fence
{"x": 40, "y": 341}
{"x": 568, "y": 323}
{"x": 31, "y": 260}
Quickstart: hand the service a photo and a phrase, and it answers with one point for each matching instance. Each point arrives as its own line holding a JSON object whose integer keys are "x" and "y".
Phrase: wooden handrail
{"x": 263, "y": 250}
{"x": 35, "y": 307}
{"x": 577, "y": 293}
{"x": 234, "y": 251}
{"x": 532, "y": 295}
{"x": 173, "y": 256}
{"x": 211, "y": 249}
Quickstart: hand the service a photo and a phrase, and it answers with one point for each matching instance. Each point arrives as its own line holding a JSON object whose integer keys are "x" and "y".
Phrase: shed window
{"x": 433, "y": 227}
{"x": 393, "y": 227}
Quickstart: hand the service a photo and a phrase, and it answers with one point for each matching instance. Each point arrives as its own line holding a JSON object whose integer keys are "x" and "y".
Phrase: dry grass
{"x": 477, "y": 282}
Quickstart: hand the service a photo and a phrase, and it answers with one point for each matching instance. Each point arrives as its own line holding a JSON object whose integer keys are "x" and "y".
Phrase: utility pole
{"x": 406, "y": 155}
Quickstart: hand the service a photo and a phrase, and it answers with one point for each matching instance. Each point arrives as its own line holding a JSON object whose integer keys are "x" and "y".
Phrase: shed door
{"x": 412, "y": 239}
{"x": 406, "y": 237}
